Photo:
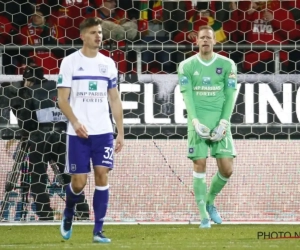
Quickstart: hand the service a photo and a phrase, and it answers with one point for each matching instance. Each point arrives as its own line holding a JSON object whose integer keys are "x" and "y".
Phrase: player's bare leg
{"x": 100, "y": 203}
{"x": 200, "y": 188}
{"x": 73, "y": 195}
{"x": 219, "y": 180}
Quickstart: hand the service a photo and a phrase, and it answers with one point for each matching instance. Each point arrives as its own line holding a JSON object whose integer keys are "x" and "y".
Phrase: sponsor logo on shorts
{"x": 107, "y": 162}
{"x": 225, "y": 150}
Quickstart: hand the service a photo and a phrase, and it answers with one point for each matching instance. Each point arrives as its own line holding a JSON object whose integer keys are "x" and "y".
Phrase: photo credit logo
{"x": 277, "y": 235}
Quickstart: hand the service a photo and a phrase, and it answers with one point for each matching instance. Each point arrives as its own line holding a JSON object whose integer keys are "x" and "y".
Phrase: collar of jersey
{"x": 81, "y": 54}
{"x": 209, "y": 62}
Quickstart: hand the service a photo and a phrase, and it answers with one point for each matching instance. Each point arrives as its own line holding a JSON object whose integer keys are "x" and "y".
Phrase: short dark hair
{"x": 206, "y": 27}
{"x": 89, "y": 22}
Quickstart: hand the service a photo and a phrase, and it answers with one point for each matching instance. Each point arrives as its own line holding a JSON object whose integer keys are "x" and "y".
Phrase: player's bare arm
{"x": 63, "y": 102}
{"x": 117, "y": 112}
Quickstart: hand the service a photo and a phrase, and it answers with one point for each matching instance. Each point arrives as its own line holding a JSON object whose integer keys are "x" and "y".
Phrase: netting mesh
{"x": 143, "y": 188}
{"x": 147, "y": 40}
{"x": 155, "y": 28}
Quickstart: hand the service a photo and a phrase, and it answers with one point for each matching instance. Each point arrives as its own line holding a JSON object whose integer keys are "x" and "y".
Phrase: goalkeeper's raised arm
{"x": 208, "y": 84}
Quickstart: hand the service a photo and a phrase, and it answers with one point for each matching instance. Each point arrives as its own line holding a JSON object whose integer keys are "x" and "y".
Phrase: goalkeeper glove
{"x": 201, "y": 130}
{"x": 219, "y": 132}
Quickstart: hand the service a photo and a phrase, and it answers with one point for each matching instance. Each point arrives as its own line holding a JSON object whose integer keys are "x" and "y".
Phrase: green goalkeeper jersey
{"x": 208, "y": 87}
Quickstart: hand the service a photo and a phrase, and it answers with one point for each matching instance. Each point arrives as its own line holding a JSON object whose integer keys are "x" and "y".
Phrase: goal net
{"x": 152, "y": 177}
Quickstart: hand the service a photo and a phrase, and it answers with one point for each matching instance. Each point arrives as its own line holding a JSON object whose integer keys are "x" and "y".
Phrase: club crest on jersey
{"x": 219, "y": 71}
{"x": 103, "y": 68}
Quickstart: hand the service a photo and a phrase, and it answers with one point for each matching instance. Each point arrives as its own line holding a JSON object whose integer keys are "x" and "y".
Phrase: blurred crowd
{"x": 55, "y": 23}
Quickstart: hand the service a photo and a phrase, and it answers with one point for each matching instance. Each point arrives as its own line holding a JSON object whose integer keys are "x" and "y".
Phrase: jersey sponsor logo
{"x": 92, "y": 85}
{"x": 231, "y": 83}
{"x": 103, "y": 68}
{"x": 206, "y": 93}
{"x": 219, "y": 71}
{"x": 60, "y": 79}
{"x": 183, "y": 80}
{"x": 196, "y": 73}
{"x": 92, "y": 96}
{"x": 209, "y": 88}
{"x": 206, "y": 80}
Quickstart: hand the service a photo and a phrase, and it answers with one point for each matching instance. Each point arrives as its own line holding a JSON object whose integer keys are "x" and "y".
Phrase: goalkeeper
{"x": 208, "y": 84}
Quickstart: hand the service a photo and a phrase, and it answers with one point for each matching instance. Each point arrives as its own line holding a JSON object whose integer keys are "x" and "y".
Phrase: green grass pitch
{"x": 143, "y": 237}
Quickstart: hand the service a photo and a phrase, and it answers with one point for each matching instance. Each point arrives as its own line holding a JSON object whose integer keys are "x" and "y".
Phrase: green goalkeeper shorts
{"x": 198, "y": 147}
